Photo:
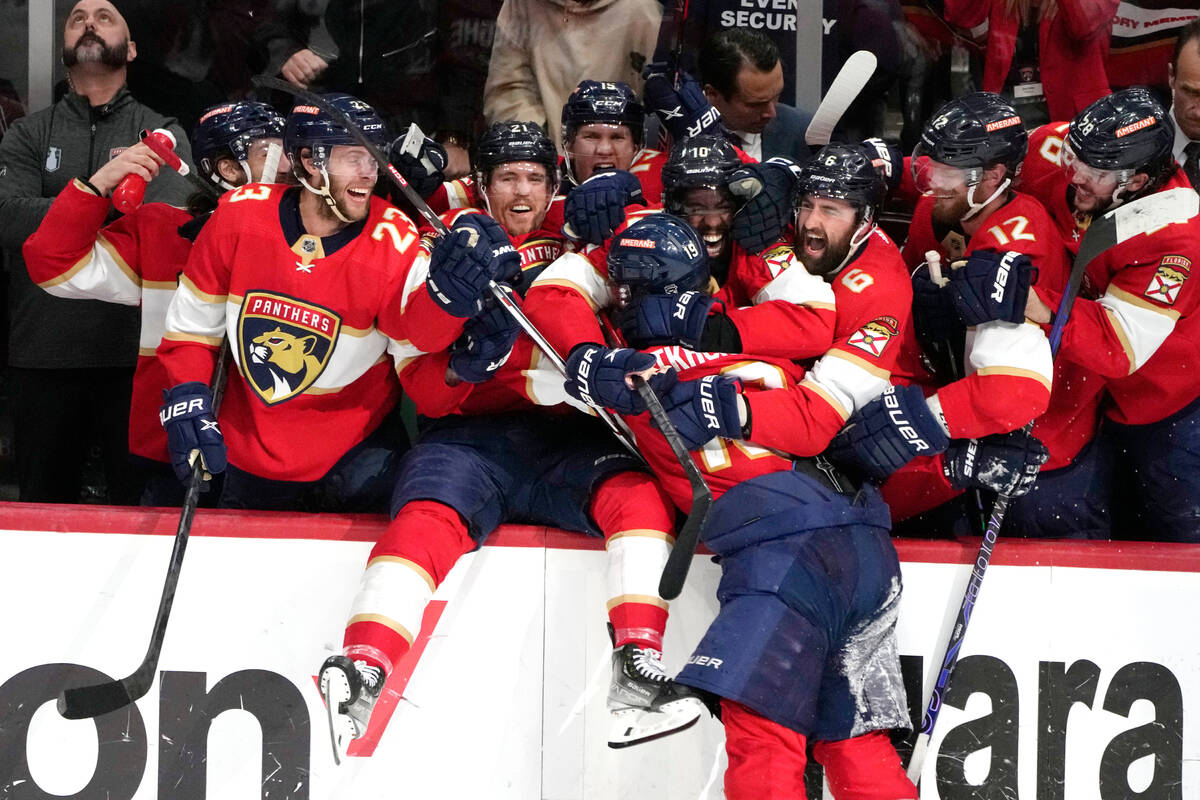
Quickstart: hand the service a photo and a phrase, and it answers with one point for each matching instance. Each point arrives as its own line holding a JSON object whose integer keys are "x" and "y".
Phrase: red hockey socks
{"x": 766, "y": 760}
{"x": 866, "y": 767}
{"x": 638, "y": 524}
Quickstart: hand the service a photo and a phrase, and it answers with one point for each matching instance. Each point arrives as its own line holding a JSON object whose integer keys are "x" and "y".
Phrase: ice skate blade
{"x": 334, "y": 691}
{"x": 638, "y": 726}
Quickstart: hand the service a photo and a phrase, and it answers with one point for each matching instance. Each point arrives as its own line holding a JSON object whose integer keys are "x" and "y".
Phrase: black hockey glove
{"x": 887, "y": 433}
{"x": 685, "y": 112}
{"x": 596, "y": 375}
{"x": 463, "y": 261}
{"x": 703, "y": 409}
{"x": 991, "y": 286}
{"x": 486, "y": 342}
{"x": 595, "y": 208}
{"x": 423, "y": 170}
{"x": 192, "y": 431}
{"x": 655, "y": 319}
{"x": 935, "y": 319}
{"x": 1005, "y": 463}
{"x": 888, "y": 159}
{"x": 766, "y": 190}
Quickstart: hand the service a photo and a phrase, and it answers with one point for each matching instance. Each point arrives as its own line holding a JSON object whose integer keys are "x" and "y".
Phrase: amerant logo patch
{"x": 285, "y": 344}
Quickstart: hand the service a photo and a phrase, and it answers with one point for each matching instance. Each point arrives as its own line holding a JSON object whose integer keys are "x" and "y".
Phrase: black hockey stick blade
{"x": 84, "y": 702}
{"x": 680, "y": 561}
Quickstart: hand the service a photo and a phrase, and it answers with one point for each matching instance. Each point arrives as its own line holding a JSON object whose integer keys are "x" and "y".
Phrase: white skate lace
{"x": 369, "y": 675}
{"x": 648, "y": 664}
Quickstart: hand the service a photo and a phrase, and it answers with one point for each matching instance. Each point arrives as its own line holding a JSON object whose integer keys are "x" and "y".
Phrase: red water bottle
{"x": 132, "y": 188}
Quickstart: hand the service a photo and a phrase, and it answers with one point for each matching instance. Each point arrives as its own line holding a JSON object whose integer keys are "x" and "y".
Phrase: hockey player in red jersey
{"x": 1134, "y": 325}
{"x": 491, "y": 457}
{"x": 803, "y": 649}
{"x": 319, "y": 288}
{"x": 136, "y": 259}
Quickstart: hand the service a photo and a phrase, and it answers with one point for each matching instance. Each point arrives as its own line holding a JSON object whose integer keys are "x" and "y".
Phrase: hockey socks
{"x": 637, "y": 522}
{"x": 766, "y": 760}
{"x": 865, "y": 767}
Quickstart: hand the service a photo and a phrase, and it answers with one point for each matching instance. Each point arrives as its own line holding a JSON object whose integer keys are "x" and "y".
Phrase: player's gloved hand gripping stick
{"x": 618, "y": 426}
{"x": 83, "y": 702}
{"x": 1144, "y": 215}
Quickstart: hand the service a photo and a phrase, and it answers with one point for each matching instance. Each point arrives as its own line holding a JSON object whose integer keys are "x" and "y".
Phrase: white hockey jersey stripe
{"x": 797, "y": 285}
{"x": 573, "y": 271}
{"x": 1009, "y": 348}
{"x": 100, "y": 275}
{"x": 1141, "y": 326}
{"x": 849, "y": 381}
{"x": 194, "y": 316}
{"x": 155, "y": 302}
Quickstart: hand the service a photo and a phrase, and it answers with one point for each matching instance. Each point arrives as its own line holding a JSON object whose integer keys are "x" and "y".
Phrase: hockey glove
{"x": 424, "y": 171}
{"x": 486, "y": 342}
{"x": 887, "y": 433}
{"x": 991, "y": 286}
{"x": 706, "y": 408}
{"x": 685, "y": 112}
{"x": 466, "y": 259}
{"x": 766, "y": 190}
{"x": 935, "y": 319}
{"x": 1005, "y": 463}
{"x": 655, "y": 319}
{"x": 596, "y": 375}
{"x": 595, "y": 208}
{"x": 888, "y": 160}
{"x": 192, "y": 431}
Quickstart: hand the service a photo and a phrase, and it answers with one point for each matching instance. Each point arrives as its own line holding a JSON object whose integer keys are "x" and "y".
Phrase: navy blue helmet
{"x": 1128, "y": 130}
{"x": 698, "y": 162}
{"x": 659, "y": 254}
{"x": 976, "y": 130}
{"x": 844, "y": 172}
{"x": 308, "y": 126}
{"x": 600, "y": 102}
{"x": 226, "y": 131}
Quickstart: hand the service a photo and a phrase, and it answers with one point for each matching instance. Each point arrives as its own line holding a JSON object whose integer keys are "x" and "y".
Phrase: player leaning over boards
{"x": 319, "y": 288}
{"x": 803, "y": 648}
{"x": 486, "y": 455}
{"x": 137, "y": 259}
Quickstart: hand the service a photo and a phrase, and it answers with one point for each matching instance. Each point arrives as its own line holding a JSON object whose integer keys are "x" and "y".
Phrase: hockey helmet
{"x": 658, "y": 254}
{"x": 1127, "y": 130}
{"x": 976, "y": 130}
{"x": 605, "y": 103}
{"x": 506, "y": 142}
{"x": 699, "y": 162}
{"x": 227, "y": 131}
{"x": 309, "y": 126}
{"x": 843, "y": 172}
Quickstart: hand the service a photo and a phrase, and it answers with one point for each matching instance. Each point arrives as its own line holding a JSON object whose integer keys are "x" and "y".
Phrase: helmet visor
{"x": 934, "y": 177}
{"x": 1078, "y": 172}
{"x": 351, "y": 162}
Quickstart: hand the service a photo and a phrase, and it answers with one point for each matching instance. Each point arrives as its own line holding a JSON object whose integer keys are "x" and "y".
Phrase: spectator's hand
{"x": 303, "y": 67}
{"x": 192, "y": 431}
{"x": 595, "y": 208}
{"x": 598, "y": 376}
{"x": 991, "y": 286}
{"x": 704, "y": 409}
{"x": 424, "y": 171}
{"x": 766, "y": 190}
{"x": 685, "y": 112}
{"x": 657, "y": 319}
{"x": 486, "y": 342}
{"x": 1005, "y": 463}
{"x": 137, "y": 159}
{"x": 465, "y": 260}
{"x": 458, "y": 161}
{"x": 887, "y": 433}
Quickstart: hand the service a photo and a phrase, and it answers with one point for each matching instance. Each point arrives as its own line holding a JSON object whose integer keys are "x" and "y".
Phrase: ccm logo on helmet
{"x": 892, "y": 403}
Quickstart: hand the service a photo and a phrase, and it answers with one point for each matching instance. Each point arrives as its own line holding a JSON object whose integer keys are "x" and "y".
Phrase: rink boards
{"x": 1078, "y": 680}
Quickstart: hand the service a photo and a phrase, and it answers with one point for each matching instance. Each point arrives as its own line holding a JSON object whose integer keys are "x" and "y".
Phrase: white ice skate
{"x": 350, "y": 689}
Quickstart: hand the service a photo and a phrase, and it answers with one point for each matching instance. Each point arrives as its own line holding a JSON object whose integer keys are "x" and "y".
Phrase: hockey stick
{"x": 1144, "y": 215}
{"x": 83, "y": 702}
{"x": 680, "y": 560}
{"x": 615, "y": 423}
{"x": 850, "y": 80}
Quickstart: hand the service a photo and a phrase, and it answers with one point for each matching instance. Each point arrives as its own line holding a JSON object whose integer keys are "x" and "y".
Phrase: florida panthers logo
{"x": 285, "y": 344}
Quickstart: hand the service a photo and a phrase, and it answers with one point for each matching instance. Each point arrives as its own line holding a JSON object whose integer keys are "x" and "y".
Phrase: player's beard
{"x": 340, "y": 191}
{"x": 82, "y": 53}
{"x": 949, "y": 210}
{"x": 828, "y": 260}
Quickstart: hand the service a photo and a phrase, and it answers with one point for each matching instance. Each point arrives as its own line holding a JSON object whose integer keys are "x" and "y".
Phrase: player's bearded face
{"x": 352, "y": 175}
{"x": 1091, "y": 189}
{"x": 710, "y": 212}
{"x": 946, "y": 185}
{"x": 518, "y": 195}
{"x": 600, "y": 146}
{"x": 824, "y": 227}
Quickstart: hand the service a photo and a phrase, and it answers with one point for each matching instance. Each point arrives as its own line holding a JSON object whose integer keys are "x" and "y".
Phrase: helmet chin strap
{"x": 858, "y": 239}
{"x": 974, "y": 207}
{"x": 323, "y": 193}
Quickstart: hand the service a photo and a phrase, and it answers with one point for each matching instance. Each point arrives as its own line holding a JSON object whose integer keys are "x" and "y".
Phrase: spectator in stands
{"x": 1185, "y": 100}
{"x": 544, "y": 48}
{"x": 743, "y": 78}
{"x": 1046, "y": 56}
{"x": 1144, "y": 34}
{"x": 72, "y": 362}
{"x": 466, "y": 29}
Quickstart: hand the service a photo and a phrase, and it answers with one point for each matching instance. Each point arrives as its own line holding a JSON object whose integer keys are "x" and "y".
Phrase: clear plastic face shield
{"x": 350, "y": 162}
{"x": 1094, "y": 188}
{"x": 355, "y": 170}
{"x": 598, "y": 146}
{"x": 266, "y": 162}
{"x": 946, "y": 183}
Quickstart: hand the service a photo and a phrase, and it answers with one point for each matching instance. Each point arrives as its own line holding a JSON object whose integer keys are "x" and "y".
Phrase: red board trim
{"x": 1146, "y": 556}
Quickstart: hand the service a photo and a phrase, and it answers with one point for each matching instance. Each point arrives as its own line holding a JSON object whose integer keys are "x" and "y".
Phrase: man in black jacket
{"x": 71, "y": 363}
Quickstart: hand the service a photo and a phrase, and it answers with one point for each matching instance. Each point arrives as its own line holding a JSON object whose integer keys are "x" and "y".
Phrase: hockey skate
{"x": 350, "y": 689}
{"x": 637, "y": 699}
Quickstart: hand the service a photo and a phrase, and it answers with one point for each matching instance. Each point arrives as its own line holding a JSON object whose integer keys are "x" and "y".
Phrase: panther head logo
{"x": 286, "y": 344}
{"x": 288, "y": 358}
